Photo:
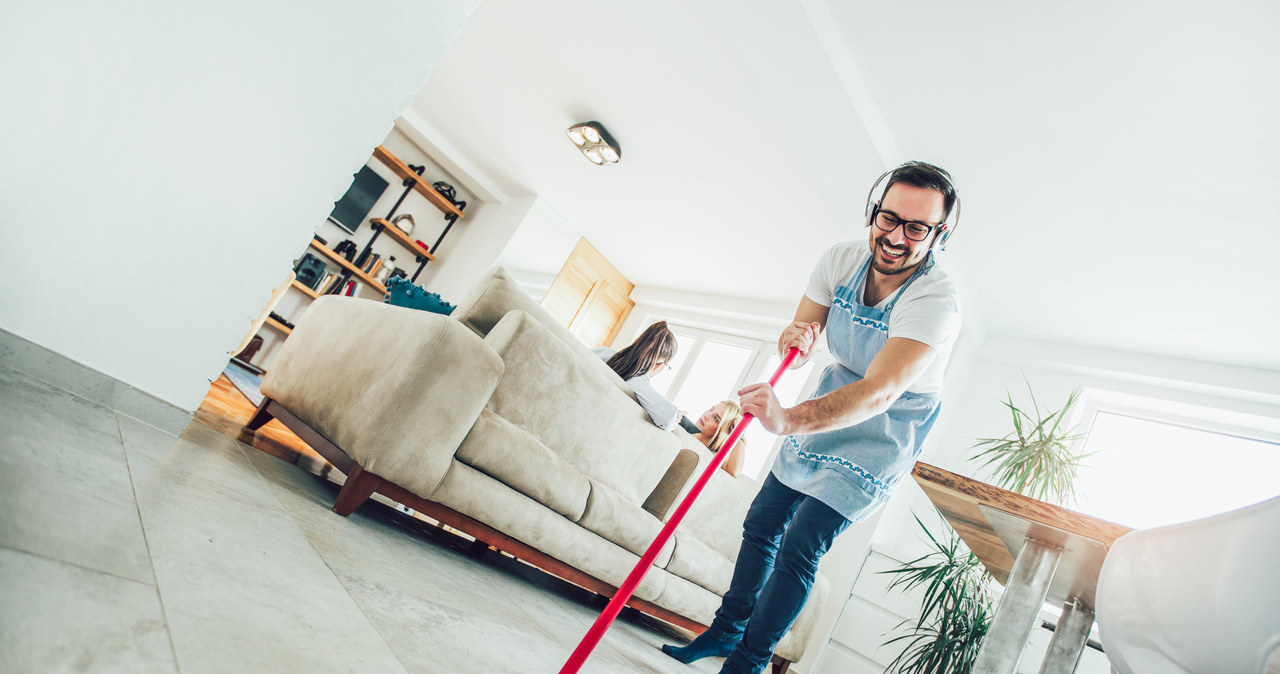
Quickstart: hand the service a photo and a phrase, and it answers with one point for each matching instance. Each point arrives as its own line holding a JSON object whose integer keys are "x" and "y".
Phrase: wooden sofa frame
{"x": 360, "y": 485}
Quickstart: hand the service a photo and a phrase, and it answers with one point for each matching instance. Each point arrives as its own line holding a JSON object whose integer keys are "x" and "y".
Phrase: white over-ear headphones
{"x": 940, "y": 242}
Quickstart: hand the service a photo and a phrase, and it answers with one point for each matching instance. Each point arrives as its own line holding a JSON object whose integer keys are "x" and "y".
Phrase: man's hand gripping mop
{"x": 628, "y": 587}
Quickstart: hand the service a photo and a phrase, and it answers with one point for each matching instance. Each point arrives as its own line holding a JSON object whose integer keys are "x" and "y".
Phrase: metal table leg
{"x": 1068, "y": 640}
{"x": 1024, "y": 594}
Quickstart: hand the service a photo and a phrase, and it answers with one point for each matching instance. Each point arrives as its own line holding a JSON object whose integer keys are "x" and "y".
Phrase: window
{"x": 1157, "y": 463}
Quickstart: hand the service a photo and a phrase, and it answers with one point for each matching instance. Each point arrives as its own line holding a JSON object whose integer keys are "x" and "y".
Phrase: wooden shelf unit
{"x": 278, "y": 325}
{"x": 342, "y": 262}
{"x": 422, "y": 254}
{"x": 309, "y": 292}
{"x": 401, "y": 238}
{"x": 420, "y": 185}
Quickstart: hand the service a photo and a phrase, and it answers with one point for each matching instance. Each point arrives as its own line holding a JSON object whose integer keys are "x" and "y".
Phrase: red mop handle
{"x": 628, "y": 586}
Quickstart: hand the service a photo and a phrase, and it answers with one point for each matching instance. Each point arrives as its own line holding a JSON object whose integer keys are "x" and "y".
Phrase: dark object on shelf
{"x": 349, "y": 211}
{"x": 449, "y": 193}
{"x": 249, "y": 351}
{"x": 309, "y": 270}
{"x": 391, "y": 217}
{"x": 403, "y": 293}
{"x": 399, "y": 273}
{"x": 282, "y": 320}
{"x": 346, "y": 249}
{"x": 319, "y": 238}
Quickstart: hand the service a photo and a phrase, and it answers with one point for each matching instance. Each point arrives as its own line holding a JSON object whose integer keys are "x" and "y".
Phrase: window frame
{"x": 1194, "y": 416}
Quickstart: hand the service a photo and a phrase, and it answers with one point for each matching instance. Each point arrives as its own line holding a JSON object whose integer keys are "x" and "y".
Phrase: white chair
{"x": 1196, "y": 597}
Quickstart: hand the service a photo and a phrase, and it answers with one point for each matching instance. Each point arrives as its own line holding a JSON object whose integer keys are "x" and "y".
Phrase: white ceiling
{"x": 1117, "y": 161}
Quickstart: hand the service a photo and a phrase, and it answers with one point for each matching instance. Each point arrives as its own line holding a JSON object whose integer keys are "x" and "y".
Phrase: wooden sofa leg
{"x": 262, "y": 416}
{"x": 359, "y": 486}
{"x": 780, "y": 666}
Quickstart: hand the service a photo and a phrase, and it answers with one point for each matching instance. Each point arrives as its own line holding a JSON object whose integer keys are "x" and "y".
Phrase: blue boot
{"x": 707, "y": 645}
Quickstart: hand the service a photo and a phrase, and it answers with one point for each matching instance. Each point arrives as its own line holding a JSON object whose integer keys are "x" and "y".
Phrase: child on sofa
{"x": 649, "y": 354}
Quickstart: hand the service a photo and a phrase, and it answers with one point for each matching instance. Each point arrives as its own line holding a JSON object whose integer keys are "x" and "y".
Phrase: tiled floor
{"x": 127, "y": 548}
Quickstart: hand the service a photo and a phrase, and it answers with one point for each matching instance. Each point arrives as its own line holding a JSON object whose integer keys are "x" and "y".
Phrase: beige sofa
{"x": 498, "y": 422}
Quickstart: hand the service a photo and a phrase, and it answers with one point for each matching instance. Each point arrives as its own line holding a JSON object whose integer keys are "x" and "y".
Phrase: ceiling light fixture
{"x": 595, "y": 143}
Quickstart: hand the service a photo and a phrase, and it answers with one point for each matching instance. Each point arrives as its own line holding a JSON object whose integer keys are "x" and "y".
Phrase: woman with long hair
{"x": 715, "y": 425}
{"x": 648, "y": 355}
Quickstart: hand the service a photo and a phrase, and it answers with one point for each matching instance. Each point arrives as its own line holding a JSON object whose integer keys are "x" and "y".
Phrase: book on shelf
{"x": 335, "y": 282}
{"x": 369, "y": 263}
{"x": 351, "y": 288}
{"x": 324, "y": 282}
{"x": 372, "y": 270}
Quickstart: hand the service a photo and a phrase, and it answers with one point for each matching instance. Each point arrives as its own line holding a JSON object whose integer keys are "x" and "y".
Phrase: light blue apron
{"x": 854, "y": 470}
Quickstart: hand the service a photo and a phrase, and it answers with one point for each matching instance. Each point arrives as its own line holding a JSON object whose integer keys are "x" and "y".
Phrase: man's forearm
{"x": 846, "y": 406}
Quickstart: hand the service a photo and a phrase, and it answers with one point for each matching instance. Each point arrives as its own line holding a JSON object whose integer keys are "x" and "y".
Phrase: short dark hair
{"x": 925, "y": 176}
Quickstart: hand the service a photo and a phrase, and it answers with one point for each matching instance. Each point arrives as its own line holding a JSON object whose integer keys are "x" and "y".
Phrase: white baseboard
{"x": 53, "y": 368}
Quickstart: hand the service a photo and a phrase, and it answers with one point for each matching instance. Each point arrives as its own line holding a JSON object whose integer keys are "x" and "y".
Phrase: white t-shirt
{"x": 928, "y": 311}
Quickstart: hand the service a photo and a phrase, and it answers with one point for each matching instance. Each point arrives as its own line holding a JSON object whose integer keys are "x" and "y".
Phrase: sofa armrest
{"x": 396, "y": 389}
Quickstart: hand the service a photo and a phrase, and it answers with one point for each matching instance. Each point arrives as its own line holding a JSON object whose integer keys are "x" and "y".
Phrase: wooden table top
{"x": 993, "y": 522}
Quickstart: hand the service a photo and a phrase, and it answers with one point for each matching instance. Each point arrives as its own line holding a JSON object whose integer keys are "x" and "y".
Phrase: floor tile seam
{"x": 74, "y": 565}
{"x": 145, "y": 422}
{"x": 320, "y": 555}
{"x": 146, "y": 542}
{"x": 640, "y": 667}
{"x": 38, "y": 378}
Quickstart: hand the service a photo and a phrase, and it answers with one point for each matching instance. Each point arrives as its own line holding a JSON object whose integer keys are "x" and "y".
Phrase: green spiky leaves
{"x": 1036, "y": 458}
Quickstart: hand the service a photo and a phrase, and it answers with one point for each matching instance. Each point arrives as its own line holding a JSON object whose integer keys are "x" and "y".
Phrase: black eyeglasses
{"x": 916, "y": 231}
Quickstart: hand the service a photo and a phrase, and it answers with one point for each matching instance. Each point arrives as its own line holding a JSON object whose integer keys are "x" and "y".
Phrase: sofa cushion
{"x": 396, "y": 389}
{"x": 498, "y": 448}
{"x": 716, "y": 518}
{"x": 623, "y": 522}
{"x": 484, "y": 498}
{"x": 700, "y": 564}
{"x": 498, "y": 294}
{"x": 569, "y": 403}
{"x": 687, "y": 599}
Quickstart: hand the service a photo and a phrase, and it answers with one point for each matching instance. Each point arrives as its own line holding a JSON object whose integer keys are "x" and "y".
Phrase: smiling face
{"x": 892, "y": 252}
{"x": 710, "y": 420}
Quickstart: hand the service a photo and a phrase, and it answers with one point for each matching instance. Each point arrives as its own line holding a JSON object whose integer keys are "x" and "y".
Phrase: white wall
{"x": 165, "y": 162}
{"x": 735, "y": 315}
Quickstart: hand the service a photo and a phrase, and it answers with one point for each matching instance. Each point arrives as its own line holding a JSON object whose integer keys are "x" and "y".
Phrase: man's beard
{"x": 892, "y": 271}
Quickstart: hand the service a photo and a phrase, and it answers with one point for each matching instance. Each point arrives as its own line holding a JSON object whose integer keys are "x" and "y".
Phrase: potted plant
{"x": 955, "y": 612}
{"x": 1034, "y": 459}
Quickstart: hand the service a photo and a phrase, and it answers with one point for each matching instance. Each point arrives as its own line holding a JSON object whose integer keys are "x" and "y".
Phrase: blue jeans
{"x": 783, "y": 537}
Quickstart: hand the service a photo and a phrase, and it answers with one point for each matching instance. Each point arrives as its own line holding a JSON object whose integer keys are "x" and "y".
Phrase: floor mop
{"x": 601, "y": 625}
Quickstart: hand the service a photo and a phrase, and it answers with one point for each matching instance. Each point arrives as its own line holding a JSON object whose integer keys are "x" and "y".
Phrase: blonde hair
{"x": 728, "y": 420}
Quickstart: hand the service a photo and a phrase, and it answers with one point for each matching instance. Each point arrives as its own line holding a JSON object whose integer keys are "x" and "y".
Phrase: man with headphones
{"x": 891, "y": 317}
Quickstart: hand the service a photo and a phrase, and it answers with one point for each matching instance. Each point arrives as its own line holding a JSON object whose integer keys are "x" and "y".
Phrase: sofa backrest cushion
{"x": 497, "y": 294}
{"x": 573, "y": 406}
